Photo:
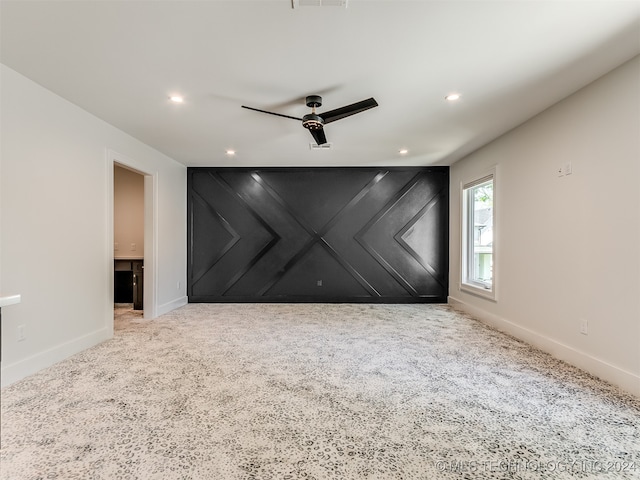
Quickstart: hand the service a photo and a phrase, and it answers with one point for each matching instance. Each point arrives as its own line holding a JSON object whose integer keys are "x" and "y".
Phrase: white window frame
{"x": 466, "y": 243}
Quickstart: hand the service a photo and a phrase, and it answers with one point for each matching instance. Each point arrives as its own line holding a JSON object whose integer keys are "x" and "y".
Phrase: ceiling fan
{"x": 315, "y": 122}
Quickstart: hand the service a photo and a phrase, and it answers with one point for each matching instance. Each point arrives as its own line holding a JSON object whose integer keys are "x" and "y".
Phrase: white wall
{"x": 568, "y": 248}
{"x": 128, "y": 213}
{"x": 56, "y": 239}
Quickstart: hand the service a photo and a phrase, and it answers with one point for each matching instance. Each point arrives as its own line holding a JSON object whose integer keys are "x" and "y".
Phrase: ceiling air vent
{"x": 324, "y": 146}
{"x": 319, "y": 3}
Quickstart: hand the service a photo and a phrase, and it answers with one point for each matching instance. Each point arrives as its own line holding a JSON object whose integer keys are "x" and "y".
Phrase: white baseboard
{"x": 172, "y": 305}
{"x": 17, "y": 371}
{"x": 623, "y": 379}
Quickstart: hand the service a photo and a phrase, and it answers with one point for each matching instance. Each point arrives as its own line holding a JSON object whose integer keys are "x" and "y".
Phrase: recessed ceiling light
{"x": 230, "y": 152}
{"x": 403, "y": 151}
{"x": 452, "y": 97}
{"x": 176, "y": 98}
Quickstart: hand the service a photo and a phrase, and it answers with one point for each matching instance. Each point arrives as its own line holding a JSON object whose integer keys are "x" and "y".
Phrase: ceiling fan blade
{"x": 342, "y": 112}
{"x": 318, "y": 136}
{"x": 272, "y": 113}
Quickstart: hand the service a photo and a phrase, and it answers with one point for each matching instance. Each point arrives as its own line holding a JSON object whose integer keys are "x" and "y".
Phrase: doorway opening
{"x": 132, "y": 232}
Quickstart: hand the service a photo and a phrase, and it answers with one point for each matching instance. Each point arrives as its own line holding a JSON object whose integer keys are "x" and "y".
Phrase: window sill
{"x": 478, "y": 291}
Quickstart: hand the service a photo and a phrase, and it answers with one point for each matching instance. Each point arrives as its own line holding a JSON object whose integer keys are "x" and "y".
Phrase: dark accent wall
{"x": 318, "y": 234}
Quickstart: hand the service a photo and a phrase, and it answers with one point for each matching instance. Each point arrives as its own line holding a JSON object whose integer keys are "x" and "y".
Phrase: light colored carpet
{"x": 255, "y": 391}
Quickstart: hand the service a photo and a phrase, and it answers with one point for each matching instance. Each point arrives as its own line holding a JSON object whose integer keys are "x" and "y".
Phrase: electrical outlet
{"x": 116, "y": 246}
{"x": 133, "y": 247}
{"x": 319, "y": 283}
{"x": 22, "y": 336}
{"x": 178, "y": 285}
{"x": 584, "y": 327}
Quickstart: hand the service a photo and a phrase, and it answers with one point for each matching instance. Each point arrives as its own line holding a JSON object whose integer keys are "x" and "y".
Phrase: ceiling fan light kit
{"x": 315, "y": 122}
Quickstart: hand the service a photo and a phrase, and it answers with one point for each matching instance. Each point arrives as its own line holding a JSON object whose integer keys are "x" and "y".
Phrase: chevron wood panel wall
{"x": 318, "y": 234}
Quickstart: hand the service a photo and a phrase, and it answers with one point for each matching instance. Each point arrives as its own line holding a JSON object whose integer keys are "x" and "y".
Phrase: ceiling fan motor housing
{"x": 312, "y": 121}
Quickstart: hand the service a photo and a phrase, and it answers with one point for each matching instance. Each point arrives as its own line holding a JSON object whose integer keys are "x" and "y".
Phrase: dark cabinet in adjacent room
{"x": 129, "y": 282}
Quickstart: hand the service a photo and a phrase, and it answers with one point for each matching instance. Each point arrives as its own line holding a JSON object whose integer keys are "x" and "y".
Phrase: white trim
{"x": 172, "y": 305}
{"x": 150, "y": 293}
{"x": 108, "y": 320}
{"x": 623, "y": 379}
{"x": 6, "y": 300}
{"x": 28, "y": 366}
{"x": 150, "y": 231}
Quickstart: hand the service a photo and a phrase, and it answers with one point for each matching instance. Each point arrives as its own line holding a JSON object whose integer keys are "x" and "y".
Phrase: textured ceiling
{"x": 508, "y": 60}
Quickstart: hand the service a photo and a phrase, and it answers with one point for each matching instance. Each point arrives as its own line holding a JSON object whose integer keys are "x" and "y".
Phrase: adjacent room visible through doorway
{"x": 128, "y": 238}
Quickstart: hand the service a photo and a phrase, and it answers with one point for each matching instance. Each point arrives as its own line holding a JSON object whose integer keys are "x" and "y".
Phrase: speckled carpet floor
{"x": 315, "y": 392}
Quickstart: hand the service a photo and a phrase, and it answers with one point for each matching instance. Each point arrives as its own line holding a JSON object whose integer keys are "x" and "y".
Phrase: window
{"x": 478, "y": 254}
